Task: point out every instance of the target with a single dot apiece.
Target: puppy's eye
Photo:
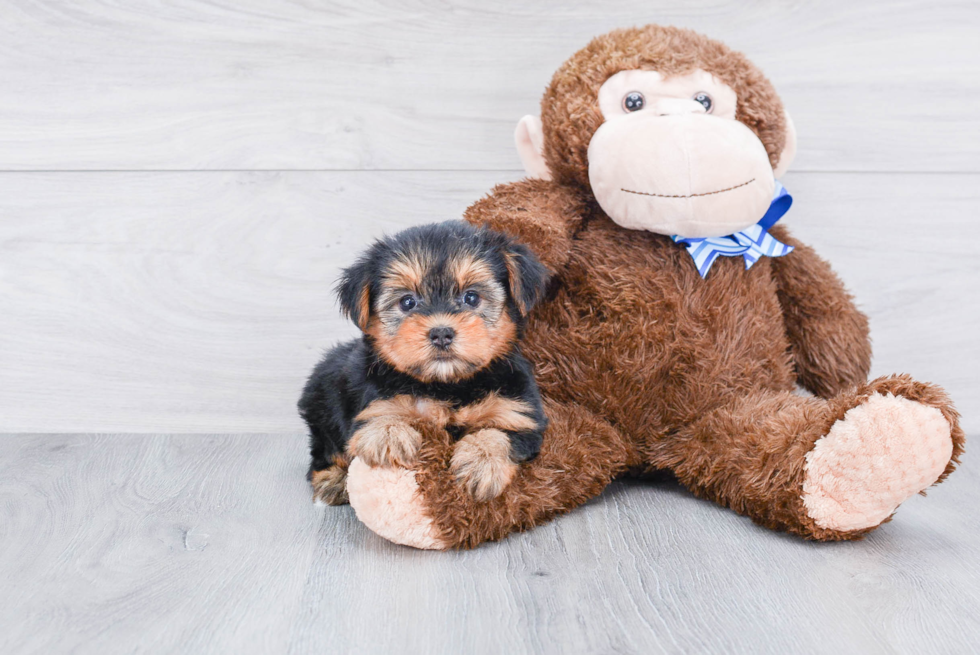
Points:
(633, 101)
(705, 100)
(407, 303)
(471, 298)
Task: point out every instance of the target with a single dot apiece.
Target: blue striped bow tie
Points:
(751, 243)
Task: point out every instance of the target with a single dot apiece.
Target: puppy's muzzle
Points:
(442, 337)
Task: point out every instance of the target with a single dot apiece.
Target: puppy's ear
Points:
(526, 276)
(354, 292)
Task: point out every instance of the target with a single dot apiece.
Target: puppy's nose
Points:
(442, 337)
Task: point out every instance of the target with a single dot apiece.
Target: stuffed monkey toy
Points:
(679, 319)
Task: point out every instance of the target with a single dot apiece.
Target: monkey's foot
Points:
(387, 501)
(879, 454)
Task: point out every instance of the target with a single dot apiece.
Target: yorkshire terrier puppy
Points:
(442, 309)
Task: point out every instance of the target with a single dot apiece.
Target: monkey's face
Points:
(441, 318)
(671, 158)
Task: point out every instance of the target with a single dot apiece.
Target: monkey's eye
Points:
(408, 303)
(471, 298)
(705, 100)
(633, 101)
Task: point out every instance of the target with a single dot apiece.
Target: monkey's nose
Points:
(442, 337)
(675, 106)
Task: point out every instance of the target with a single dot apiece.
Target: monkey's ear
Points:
(529, 139)
(527, 277)
(789, 148)
(354, 293)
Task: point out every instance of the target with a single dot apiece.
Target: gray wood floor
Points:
(208, 543)
(180, 183)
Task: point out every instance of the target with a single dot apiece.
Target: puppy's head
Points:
(442, 301)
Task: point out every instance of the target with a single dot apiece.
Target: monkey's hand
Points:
(828, 334)
(542, 214)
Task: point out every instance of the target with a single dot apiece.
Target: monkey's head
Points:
(672, 132)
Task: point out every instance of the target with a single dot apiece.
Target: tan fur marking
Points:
(408, 409)
(330, 485)
(385, 441)
(514, 279)
(409, 350)
(479, 342)
(409, 347)
(469, 271)
(405, 274)
(481, 463)
(473, 340)
(503, 334)
(497, 412)
(364, 308)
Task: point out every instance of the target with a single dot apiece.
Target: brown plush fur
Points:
(749, 453)
(643, 364)
(570, 470)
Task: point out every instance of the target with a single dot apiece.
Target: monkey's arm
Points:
(827, 332)
(541, 214)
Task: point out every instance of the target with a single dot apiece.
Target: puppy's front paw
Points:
(482, 463)
(385, 441)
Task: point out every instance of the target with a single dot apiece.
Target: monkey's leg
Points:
(825, 469)
(427, 508)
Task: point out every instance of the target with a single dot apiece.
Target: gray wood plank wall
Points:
(408, 84)
(198, 302)
(180, 182)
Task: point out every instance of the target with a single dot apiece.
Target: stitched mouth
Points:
(693, 195)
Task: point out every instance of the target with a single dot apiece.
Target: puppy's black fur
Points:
(396, 292)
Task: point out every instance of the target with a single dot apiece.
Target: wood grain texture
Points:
(208, 543)
(152, 302)
(411, 84)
